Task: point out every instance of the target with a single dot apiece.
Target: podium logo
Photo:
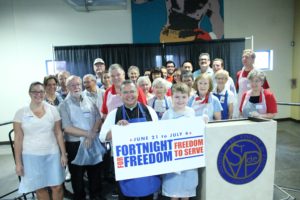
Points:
(242, 158)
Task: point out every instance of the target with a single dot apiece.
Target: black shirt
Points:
(254, 99)
(134, 113)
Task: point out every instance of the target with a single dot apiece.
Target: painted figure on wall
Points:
(190, 20)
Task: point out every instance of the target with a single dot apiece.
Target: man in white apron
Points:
(243, 84)
(81, 122)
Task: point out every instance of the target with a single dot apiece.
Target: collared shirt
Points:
(112, 100)
(198, 72)
(62, 93)
(98, 81)
(229, 84)
(116, 115)
(223, 92)
(96, 97)
(80, 114)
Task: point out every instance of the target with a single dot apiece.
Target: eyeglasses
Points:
(37, 92)
(75, 85)
(129, 92)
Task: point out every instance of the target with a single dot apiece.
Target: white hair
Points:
(91, 76)
(143, 79)
(160, 81)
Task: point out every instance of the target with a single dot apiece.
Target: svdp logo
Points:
(242, 158)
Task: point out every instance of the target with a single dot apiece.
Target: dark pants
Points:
(77, 174)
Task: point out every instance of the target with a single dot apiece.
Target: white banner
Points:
(153, 148)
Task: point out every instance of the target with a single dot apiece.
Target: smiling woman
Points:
(52, 97)
(258, 102)
(39, 146)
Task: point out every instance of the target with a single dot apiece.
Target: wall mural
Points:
(155, 21)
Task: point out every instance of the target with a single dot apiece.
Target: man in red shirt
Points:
(170, 65)
(242, 83)
(248, 60)
(112, 98)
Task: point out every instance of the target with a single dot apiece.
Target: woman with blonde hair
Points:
(160, 102)
(204, 102)
(145, 84)
(225, 96)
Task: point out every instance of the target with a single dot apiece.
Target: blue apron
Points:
(224, 103)
(190, 101)
(139, 187)
(160, 114)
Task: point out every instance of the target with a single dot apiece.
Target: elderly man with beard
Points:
(204, 64)
(81, 122)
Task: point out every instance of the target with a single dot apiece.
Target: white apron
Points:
(204, 109)
(82, 117)
(244, 86)
(249, 107)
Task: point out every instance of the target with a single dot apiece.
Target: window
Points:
(264, 60)
(53, 67)
(159, 62)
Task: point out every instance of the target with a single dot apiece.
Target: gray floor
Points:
(287, 164)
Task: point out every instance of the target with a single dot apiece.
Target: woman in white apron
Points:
(204, 102)
(258, 102)
(145, 84)
(39, 146)
(160, 102)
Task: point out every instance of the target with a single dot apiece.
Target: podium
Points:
(240, 160)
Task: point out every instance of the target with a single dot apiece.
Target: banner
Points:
(153, 148)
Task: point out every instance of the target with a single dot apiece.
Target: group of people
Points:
(65, 125)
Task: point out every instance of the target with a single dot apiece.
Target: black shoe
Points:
(115, 194)
(98, 198)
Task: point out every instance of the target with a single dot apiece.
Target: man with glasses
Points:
(204, 64)
(81, 122)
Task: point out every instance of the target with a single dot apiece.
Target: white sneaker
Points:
(68, 175)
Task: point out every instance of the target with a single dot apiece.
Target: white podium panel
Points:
(240, 160)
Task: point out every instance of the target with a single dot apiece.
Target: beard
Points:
(77, 94)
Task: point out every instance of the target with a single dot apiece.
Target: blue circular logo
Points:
(242, 158)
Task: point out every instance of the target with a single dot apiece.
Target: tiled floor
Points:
(287, 165)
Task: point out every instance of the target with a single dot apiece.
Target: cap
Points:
(99, 60)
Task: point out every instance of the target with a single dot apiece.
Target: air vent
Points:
(92, 5)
